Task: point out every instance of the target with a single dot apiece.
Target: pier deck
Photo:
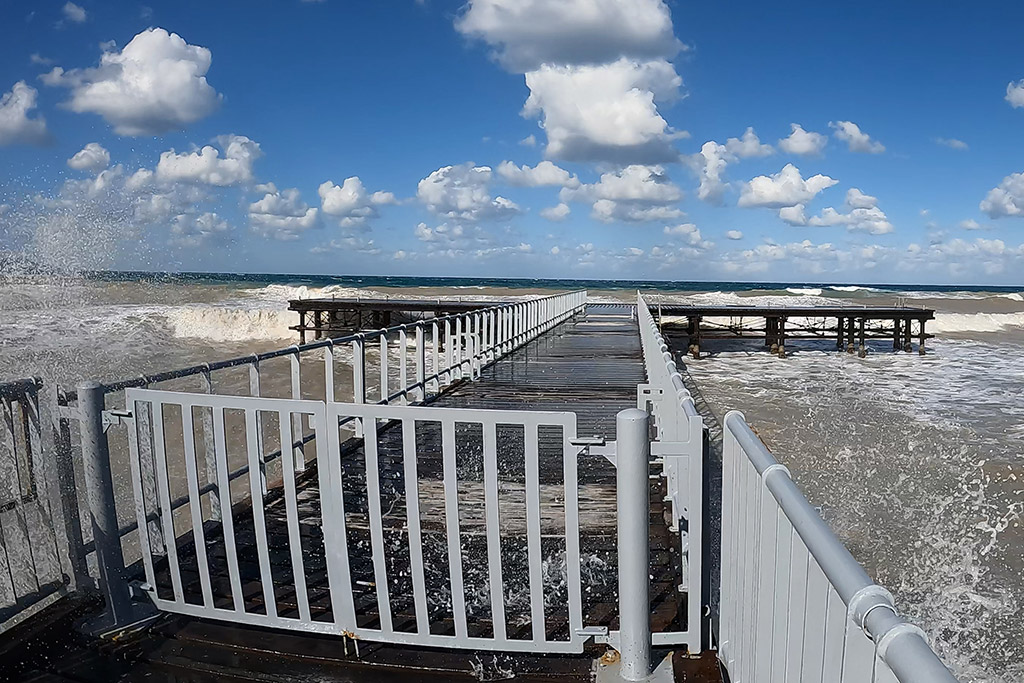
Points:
(590, 365)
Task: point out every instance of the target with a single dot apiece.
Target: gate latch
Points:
(596, 445)
(113, 418)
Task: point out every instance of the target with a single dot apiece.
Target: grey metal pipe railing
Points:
(901, 645)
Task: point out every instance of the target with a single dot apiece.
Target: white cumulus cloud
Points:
(1007, 199)
(856, 139)
(559, 212)
(208, 166)
(734, 235)
(784, 189)
(802, 142)
(463, 193)
(544, 173)
(73, 12)
(605, 112)
(863, 215)
(15, 125)
(350, 202)
(748, 146)
(93, 157)
(192, 230)
(635, 193)
(281, 215)
(156, 84)
(528, 33)
(952, 143)
(1015, 93)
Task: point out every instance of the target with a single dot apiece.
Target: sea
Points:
(917, 463)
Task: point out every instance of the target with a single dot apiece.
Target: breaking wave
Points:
(804, 291)
(975, 322)
(225, 324)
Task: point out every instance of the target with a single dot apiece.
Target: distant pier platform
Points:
(326, 318)
(851, 326)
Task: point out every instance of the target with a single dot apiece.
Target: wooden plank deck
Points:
(590, 366)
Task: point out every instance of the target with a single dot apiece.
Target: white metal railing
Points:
(385, 569)
(679, 447)
(443, 351)
(35, 557)
(795, 604)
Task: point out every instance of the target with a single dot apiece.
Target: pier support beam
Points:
(782, 337)
(922, 336)
(694, 329)
(849, 335)
(863, 346)
(896, 331)
(840, 327)
(906, 336)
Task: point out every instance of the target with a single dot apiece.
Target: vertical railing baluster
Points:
(421, 362)
(412, 509)
(208, 449)
(299, 448)
(254, 390)
(259, 520)
(403, 364)
(384, 391)
(435, 351)
(329, 371)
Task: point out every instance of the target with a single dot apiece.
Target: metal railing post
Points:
(100, 497)
(632, 465)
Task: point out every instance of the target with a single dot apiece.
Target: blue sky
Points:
(391, 138)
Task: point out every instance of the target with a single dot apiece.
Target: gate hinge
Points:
(113, 418)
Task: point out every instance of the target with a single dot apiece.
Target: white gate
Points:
(442, 527)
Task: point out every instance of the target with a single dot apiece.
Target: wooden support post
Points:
(863, 348)
(896, 343)
(302, 327)
(318, 323)
(695, 339)
(906, 337)
(849, 335)
(839, 332)
(782, 337)
(921, 337)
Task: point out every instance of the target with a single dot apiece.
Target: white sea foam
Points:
(229, 324)
(854, 288)
(975, 322)
(804, 291)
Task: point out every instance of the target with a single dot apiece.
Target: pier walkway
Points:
(517, 490)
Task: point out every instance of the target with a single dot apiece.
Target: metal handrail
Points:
(145, 380)
(901, 645)
(656, 349)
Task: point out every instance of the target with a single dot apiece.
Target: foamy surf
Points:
(975, 322)
(226, 324)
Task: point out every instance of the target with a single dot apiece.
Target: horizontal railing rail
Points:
(795, 604)
(679, 446)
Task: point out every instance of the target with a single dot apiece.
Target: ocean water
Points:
(917, 463)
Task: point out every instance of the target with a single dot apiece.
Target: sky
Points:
(872, 142)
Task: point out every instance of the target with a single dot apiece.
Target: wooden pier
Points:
(325, 318)
(850, 326)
